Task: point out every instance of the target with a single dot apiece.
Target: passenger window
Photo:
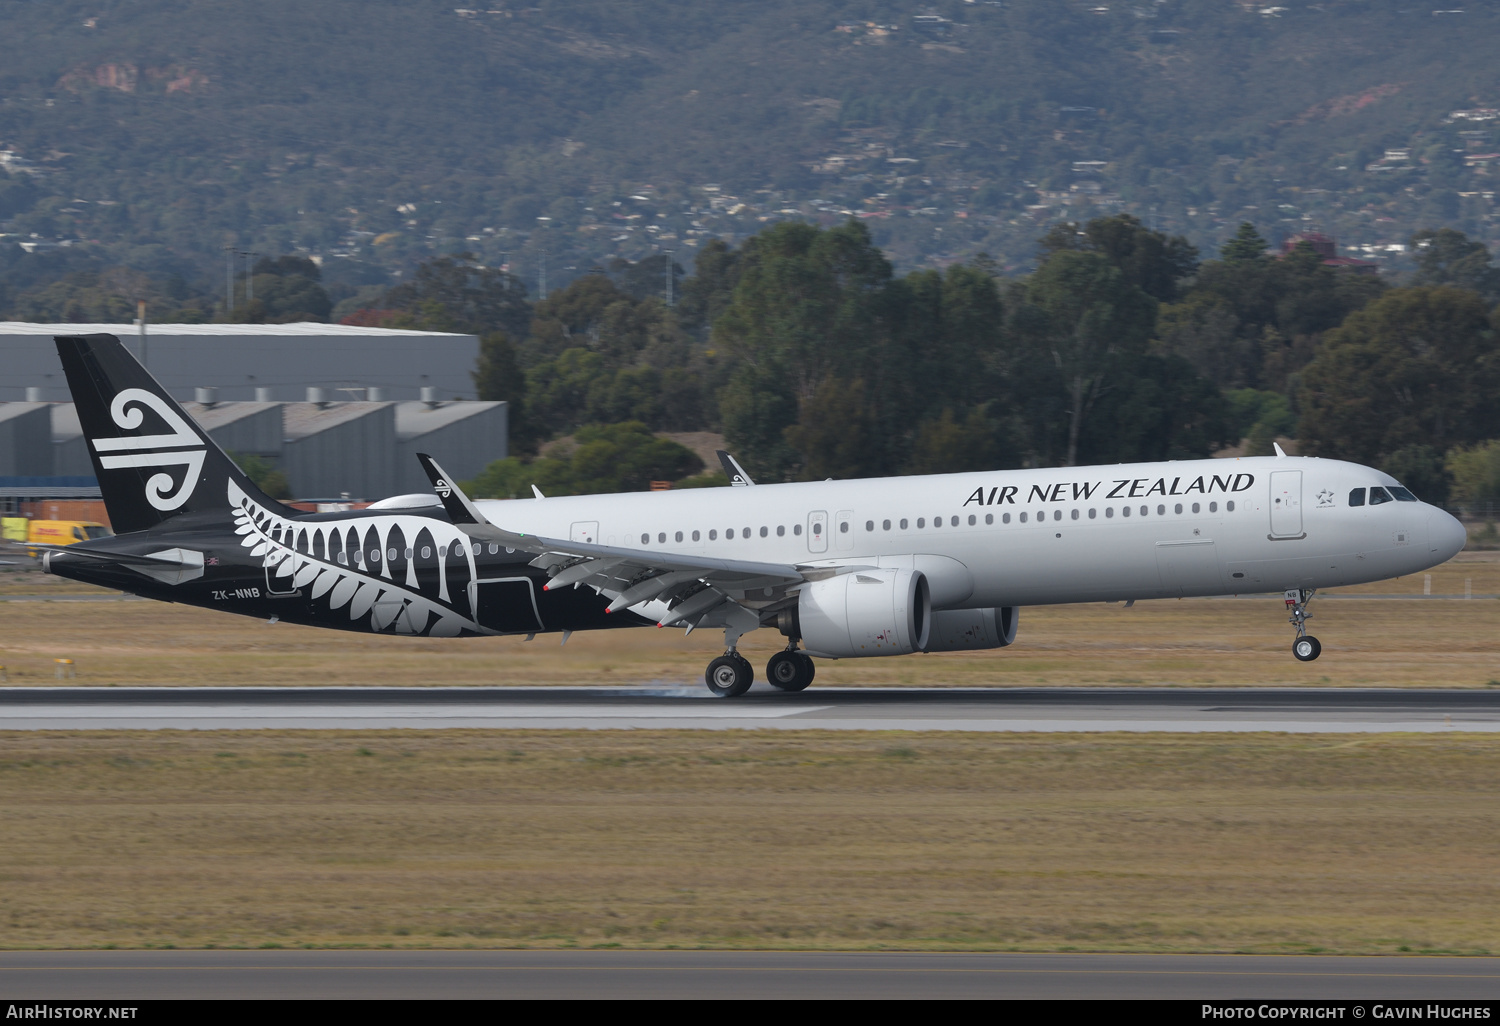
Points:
(1057, 514)
(1161, 510)
(885, 525)
(713, 535)
(343, 559)
(1093, 514)
(1402, 495)
(695, 536)
(729, 533)
(1196, 507)
(1357, 497)
(1213, 507)
(903, 523)
(764, 531)
(869, 525)
(921, 522)
(797, 529)
(1109, 512)
(954, 521)
(989, 518)
(1229, 506)
(1005, 518)
(936, 522)
(645, 539)
(972, 520)
(661, 539)
(745, 531)
(1075, 514)
(1146, 509)
(408, 553)
(1023, 518)
(679, 536)
(1379, 495)
(1124, 511)
(781, 530)
(843, 527)
(1177, 508)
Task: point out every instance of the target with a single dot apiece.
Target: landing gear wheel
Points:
(1307, 648)
(729, 676)
(790, 671)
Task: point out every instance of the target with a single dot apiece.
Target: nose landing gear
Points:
(1305, 648)
(790, 670)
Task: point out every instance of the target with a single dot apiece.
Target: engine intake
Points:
(962, 630)
(865, 613)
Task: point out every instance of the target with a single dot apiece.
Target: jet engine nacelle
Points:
(865, 613)
(960, 630)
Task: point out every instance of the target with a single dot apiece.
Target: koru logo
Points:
(442, 487)
(144, 450)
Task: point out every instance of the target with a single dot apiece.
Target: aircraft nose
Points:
(1446, 536)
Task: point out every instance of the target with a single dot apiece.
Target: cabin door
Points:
(1286, 504)
(817, 531)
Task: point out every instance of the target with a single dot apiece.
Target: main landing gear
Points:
(730, 675)
(1306, 648)
(790, 670)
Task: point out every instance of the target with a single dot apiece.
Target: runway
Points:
(146, 975)
(1184, 710)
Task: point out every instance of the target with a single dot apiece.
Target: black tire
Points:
(790, 671)
(1307, 648)
(729, 676)
(809, 669)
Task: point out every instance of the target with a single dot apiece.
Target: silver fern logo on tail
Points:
(163, 450)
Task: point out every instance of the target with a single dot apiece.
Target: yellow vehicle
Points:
(65, 532)
(15, 529)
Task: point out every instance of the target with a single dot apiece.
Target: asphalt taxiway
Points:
(146, 975)
(1185, 710)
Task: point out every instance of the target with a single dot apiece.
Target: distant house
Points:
(1328, 249)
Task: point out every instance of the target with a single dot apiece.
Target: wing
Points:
(683, 589)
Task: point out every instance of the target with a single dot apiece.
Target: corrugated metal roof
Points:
(305, 328)
(219, 414)
(418, 418)
(303, 419)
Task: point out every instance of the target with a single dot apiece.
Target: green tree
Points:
(461, 295)
(1475, 473)
(263, 474)
(605, 458)
(1092, 321)
(946, 445)
(1449, 257)
(1416, 367)
(1152, 262)
(497, 377)
(1247, 245)
(833, 434)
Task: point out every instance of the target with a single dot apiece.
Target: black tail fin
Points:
(153, 462)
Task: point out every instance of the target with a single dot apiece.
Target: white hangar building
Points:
(264, 362)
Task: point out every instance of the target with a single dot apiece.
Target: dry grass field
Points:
(1377, 642)
(1256, 843)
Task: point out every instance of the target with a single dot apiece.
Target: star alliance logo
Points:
(1325, 498)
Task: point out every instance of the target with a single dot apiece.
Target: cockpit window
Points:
(1357, 497)
(1379, 495)
(1402, 495)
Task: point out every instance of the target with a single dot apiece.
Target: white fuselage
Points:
(1036, 537)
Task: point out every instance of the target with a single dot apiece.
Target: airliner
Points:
(842, 569)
